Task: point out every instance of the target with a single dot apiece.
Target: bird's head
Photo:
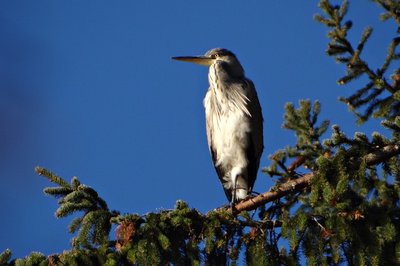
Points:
(216, 55)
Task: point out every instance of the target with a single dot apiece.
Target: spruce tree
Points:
(335, 201)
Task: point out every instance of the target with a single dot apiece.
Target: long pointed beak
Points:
(200, 60)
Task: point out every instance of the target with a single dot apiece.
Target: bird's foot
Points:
(232, 207)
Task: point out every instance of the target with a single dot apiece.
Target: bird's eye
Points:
(215, 56)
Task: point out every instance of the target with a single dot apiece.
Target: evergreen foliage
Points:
(377, 98)
(94, 226)
(343, 210)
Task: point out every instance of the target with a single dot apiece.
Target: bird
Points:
(234, 122)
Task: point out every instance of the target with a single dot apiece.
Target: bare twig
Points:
(296, 163)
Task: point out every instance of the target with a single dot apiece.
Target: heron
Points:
(234, 122)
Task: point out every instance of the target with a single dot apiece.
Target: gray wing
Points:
(256, 143)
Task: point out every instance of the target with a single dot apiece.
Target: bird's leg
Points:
(234, 194)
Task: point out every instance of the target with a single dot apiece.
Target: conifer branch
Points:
(94, 224)
(299, 184)
(5, 256)
(366, 98)
(392, 10)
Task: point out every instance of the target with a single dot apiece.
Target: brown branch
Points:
(283, 190)
(296, 185)
(382, 155)
(296, 163)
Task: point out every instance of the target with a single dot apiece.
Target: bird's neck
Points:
(225, 72)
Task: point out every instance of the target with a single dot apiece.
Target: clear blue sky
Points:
(88, 89)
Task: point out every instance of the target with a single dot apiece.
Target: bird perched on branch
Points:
(233, 120)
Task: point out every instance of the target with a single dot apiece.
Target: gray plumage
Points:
(233, 121)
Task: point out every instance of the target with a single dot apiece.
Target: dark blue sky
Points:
(88, 89)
